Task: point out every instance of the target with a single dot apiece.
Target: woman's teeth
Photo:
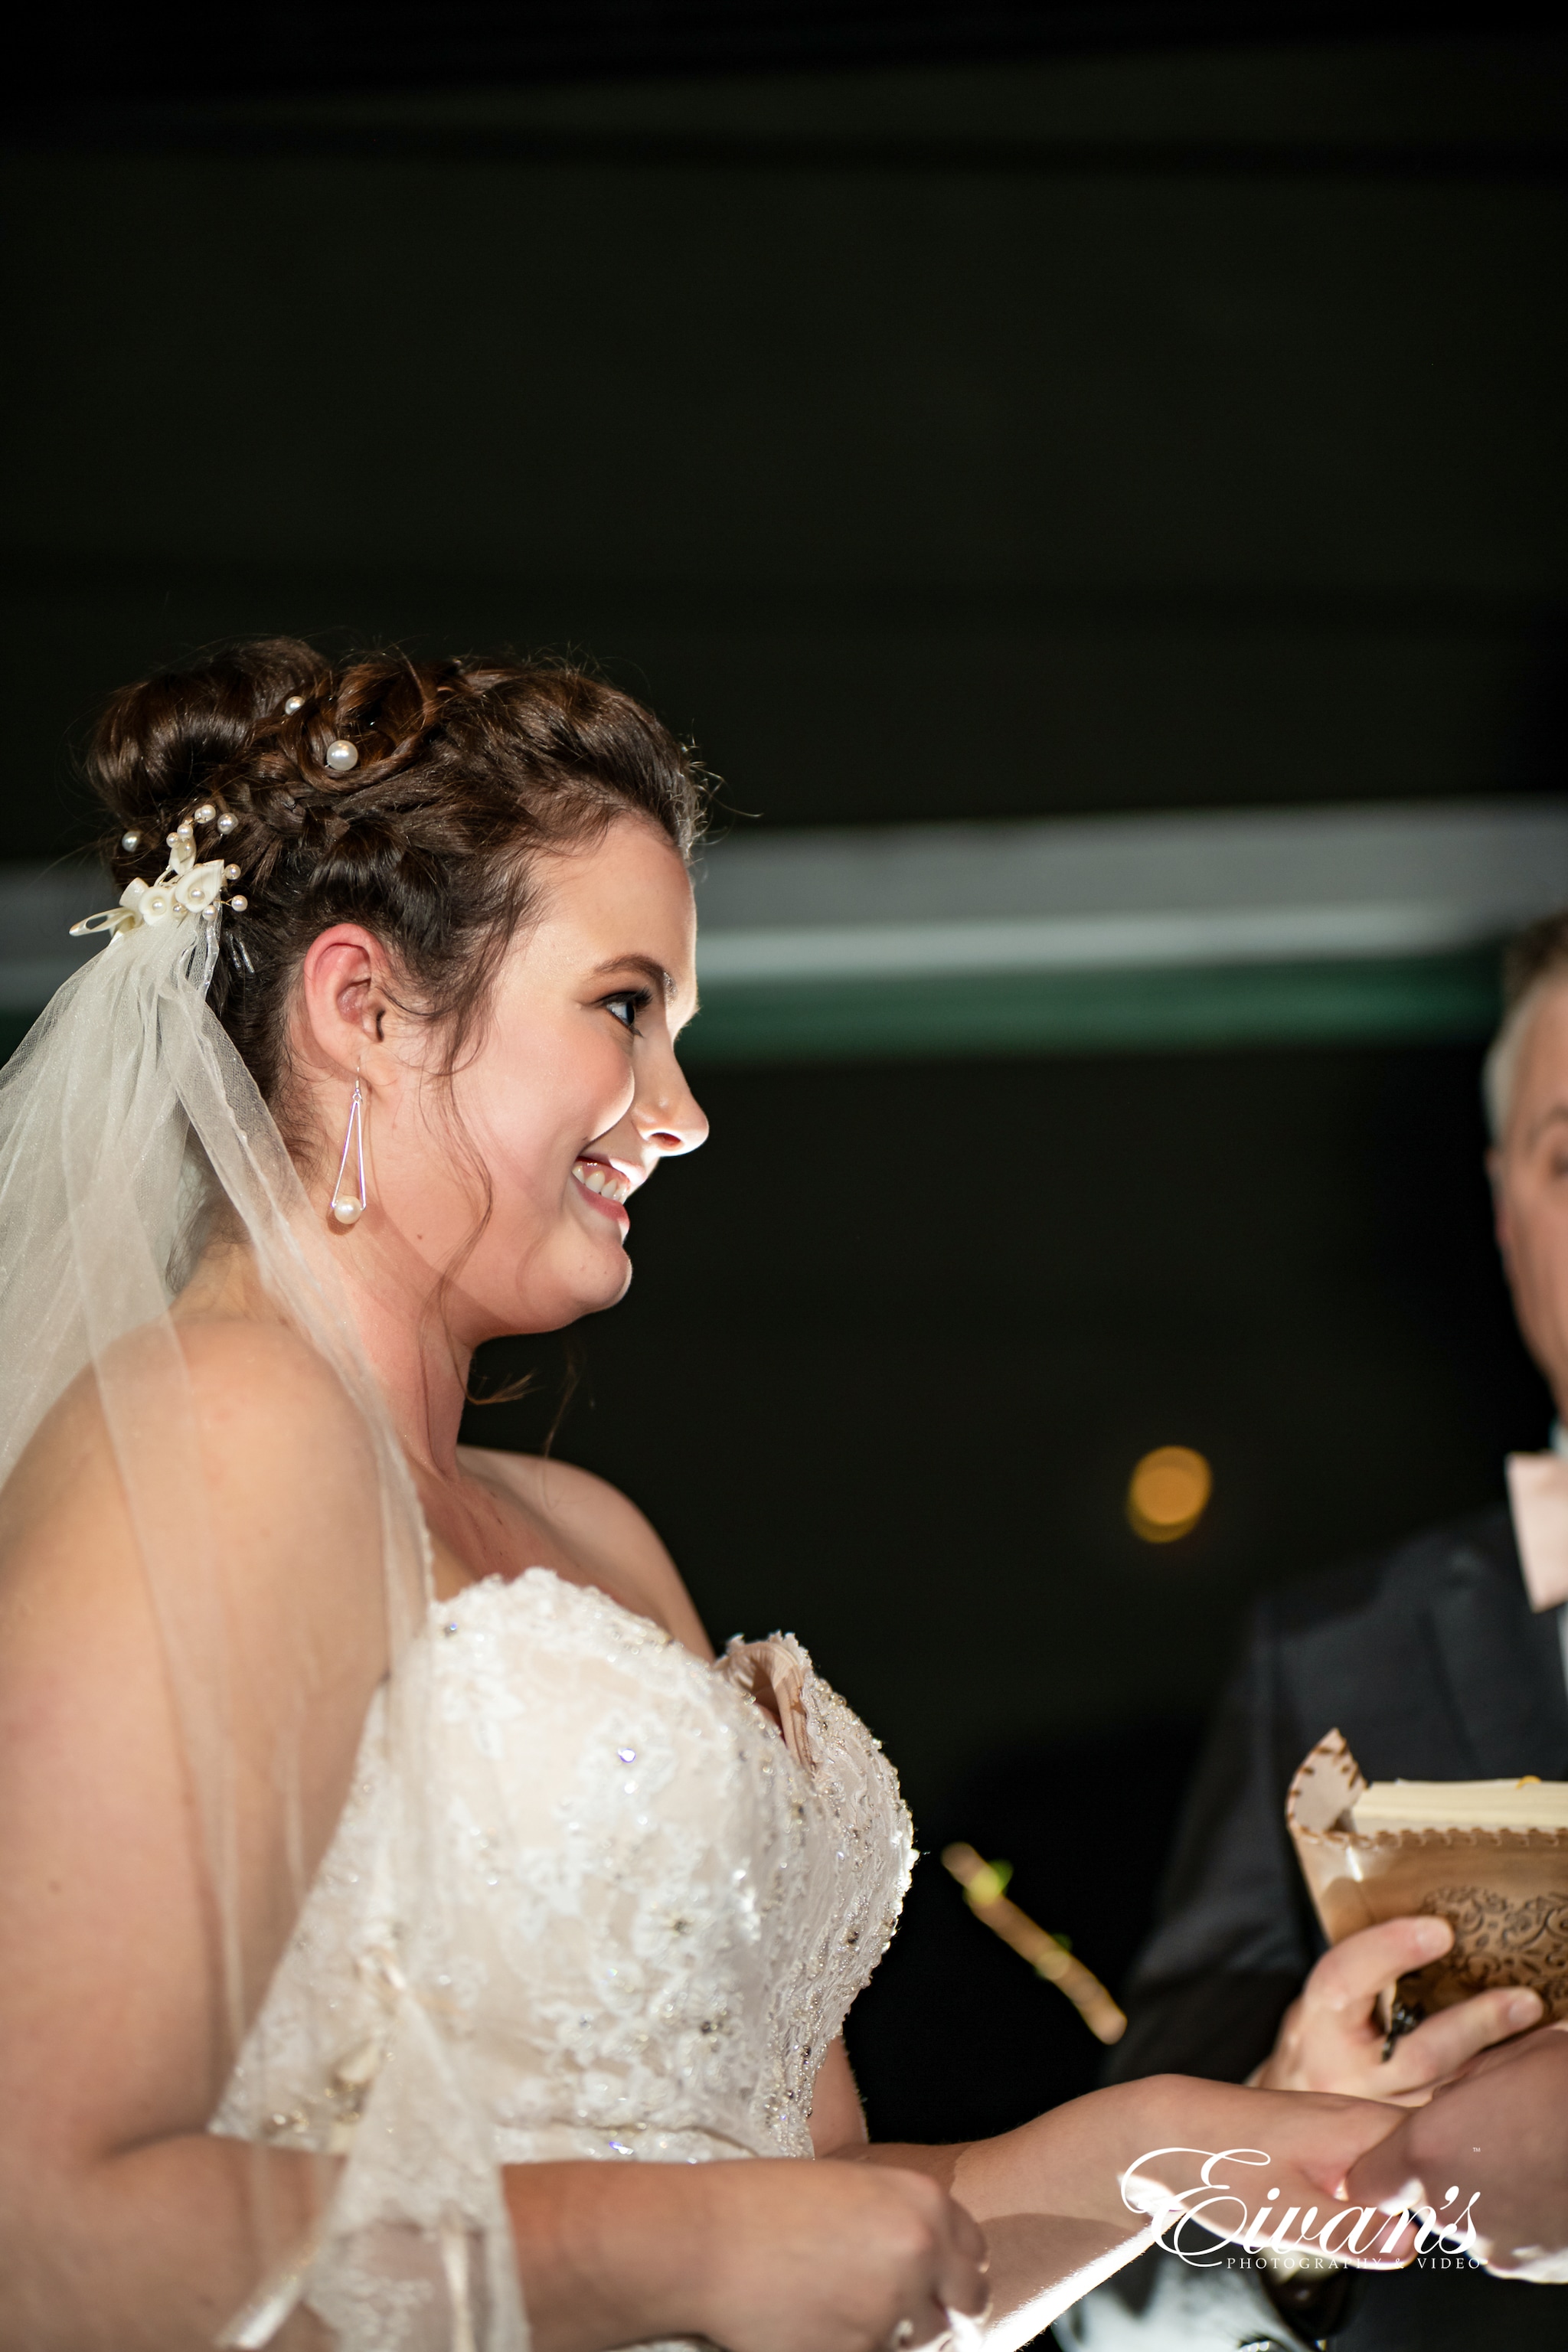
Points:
(597, 1178)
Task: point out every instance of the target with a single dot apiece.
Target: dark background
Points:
(939, 413)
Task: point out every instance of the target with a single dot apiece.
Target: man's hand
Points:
(1501, 2134)
(1331, 2039)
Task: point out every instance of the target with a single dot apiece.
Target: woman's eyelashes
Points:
(626, 1004)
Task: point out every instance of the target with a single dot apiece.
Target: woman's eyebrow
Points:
(650, 969)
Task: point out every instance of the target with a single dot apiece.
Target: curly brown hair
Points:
(467, 770)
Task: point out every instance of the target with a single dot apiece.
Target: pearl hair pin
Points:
(184, 834)
(208, 814)
(342, 758)
(295, 702)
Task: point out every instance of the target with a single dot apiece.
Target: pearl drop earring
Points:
(349, 1205)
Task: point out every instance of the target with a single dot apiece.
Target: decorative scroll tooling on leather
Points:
(1496, 1941)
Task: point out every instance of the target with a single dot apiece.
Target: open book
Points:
(1489, 1856)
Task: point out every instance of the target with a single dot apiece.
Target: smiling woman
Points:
(407, 1920)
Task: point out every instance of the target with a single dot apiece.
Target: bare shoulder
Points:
(249, 1434)
(274, 1414)
(616, 1544)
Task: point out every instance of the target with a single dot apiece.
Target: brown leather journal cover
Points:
(1504, 1890)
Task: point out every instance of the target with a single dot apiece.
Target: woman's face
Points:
(569, 1101)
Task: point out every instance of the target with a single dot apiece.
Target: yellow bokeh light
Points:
(1168, 1493)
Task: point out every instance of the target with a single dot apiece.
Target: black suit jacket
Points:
(1432, 1663)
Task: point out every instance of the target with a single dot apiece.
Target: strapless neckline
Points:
(495, 1585)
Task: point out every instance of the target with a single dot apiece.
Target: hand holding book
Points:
(1438, 1901)
(1333, 2037)
(1488, 1857)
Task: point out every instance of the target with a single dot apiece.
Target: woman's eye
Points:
(626, 1004)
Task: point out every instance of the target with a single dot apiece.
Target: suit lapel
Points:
(1501, 1664)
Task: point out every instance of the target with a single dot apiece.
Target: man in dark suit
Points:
(1445, 1660)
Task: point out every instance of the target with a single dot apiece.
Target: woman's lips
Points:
(604, 1189)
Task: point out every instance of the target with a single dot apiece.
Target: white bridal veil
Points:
(127, 1120)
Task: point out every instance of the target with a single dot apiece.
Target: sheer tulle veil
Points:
(127, 1123)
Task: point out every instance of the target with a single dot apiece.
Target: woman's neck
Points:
(420, 1368)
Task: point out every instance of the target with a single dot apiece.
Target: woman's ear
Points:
(343, 997)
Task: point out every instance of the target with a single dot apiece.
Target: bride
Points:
(403, 1911)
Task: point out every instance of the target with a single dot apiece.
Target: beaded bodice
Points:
(642, 1918)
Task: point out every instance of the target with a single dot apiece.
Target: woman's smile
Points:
(604, 1189)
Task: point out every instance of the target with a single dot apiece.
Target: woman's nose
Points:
(673, 1120)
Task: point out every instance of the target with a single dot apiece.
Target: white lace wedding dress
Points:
(648, 1916)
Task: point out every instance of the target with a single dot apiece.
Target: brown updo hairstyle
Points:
(467, 770)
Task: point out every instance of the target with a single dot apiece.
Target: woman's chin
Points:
(591, 1287)
(535, 1296)
(618, 1281)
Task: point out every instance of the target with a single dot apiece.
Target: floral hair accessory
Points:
(186, 888)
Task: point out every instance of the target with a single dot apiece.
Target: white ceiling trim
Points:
(1127, 893)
